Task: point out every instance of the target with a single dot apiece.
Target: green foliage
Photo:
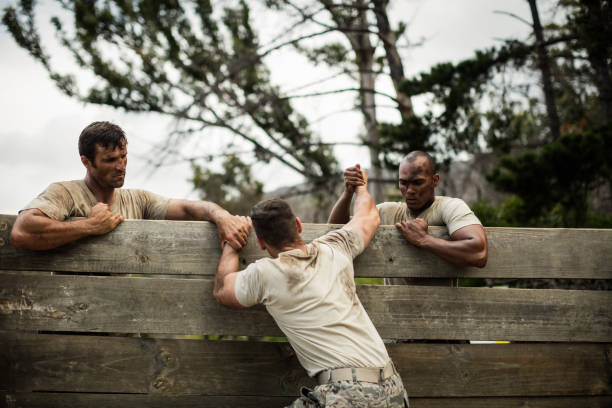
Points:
(482, 108)
(512, 213)
(333, 54)
(413, 133)
(456, 89)
(559, 176)
(233, 188)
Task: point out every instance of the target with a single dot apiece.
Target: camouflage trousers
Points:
(389, 393)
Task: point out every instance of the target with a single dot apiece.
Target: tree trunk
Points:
(359, 38)
(543, 63)
(393, 58)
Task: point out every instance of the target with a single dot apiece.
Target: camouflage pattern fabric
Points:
(389, 393)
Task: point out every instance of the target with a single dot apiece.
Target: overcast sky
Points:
(40, 126)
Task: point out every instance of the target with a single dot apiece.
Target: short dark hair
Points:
(274, 223)
(413, 155)
(105, 134)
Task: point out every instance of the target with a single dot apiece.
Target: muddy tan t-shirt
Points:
(312, 298)
(449, 212)
(453, 213)
(67, 199)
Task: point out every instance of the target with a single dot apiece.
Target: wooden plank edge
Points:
(84, 400)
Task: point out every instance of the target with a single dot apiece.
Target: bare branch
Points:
(519, 18)
(374, 91)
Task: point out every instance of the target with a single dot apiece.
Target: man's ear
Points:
(298, 222)
(261, 243)
(86, 162)
(436, 179)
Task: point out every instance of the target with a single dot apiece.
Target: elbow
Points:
(375, 218)
(19, 239)
(217, 296)
(480, 260)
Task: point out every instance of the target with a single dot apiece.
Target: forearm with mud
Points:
(364, 203)
(228, 263)
(195, 211)
(37, 232)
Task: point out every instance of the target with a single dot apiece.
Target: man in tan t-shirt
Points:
(421, 207)
(98, 197)
(309, 290)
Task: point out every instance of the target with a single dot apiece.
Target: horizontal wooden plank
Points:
(172, 247)
(61, 400)
(75, 400)
(74, 363)
(185, 306)
(547, 402)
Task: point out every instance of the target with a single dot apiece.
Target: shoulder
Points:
(391, 212)
(254, 284)
(149, 205)
(346, 239)
(389, 206)
(451, 205)
(456, 213)
(69, 187)
(445, 201)
(58, 200)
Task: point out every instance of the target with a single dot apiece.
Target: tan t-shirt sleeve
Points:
(248, 286)
(55, 202)
(456, 214)
(346, 240)
(390, 213)
(153, 205)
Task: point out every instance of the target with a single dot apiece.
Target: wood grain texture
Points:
(49, 362)
(185, 306)
(76, 400)
(191, 248)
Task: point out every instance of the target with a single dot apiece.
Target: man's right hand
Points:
(354, 177)
(102, 220)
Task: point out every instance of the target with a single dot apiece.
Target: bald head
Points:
(414, 155)
(417, 181)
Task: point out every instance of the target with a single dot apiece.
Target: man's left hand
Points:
(415, 231)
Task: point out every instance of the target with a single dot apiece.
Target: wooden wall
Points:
(119, 320)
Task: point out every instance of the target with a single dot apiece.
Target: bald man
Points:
(420, 209)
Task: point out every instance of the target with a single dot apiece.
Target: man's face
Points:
(417, 184)
(108, 168)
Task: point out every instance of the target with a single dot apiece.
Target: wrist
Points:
(219, 214)
(348, 193)
(88, 226)
(227, 248)
(425, 241)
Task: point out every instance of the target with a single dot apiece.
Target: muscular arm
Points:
(227, 270)
(365, 219)
(228, 226)
(341, 213)
(225, 278)
(34, 230)
(467, 247)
